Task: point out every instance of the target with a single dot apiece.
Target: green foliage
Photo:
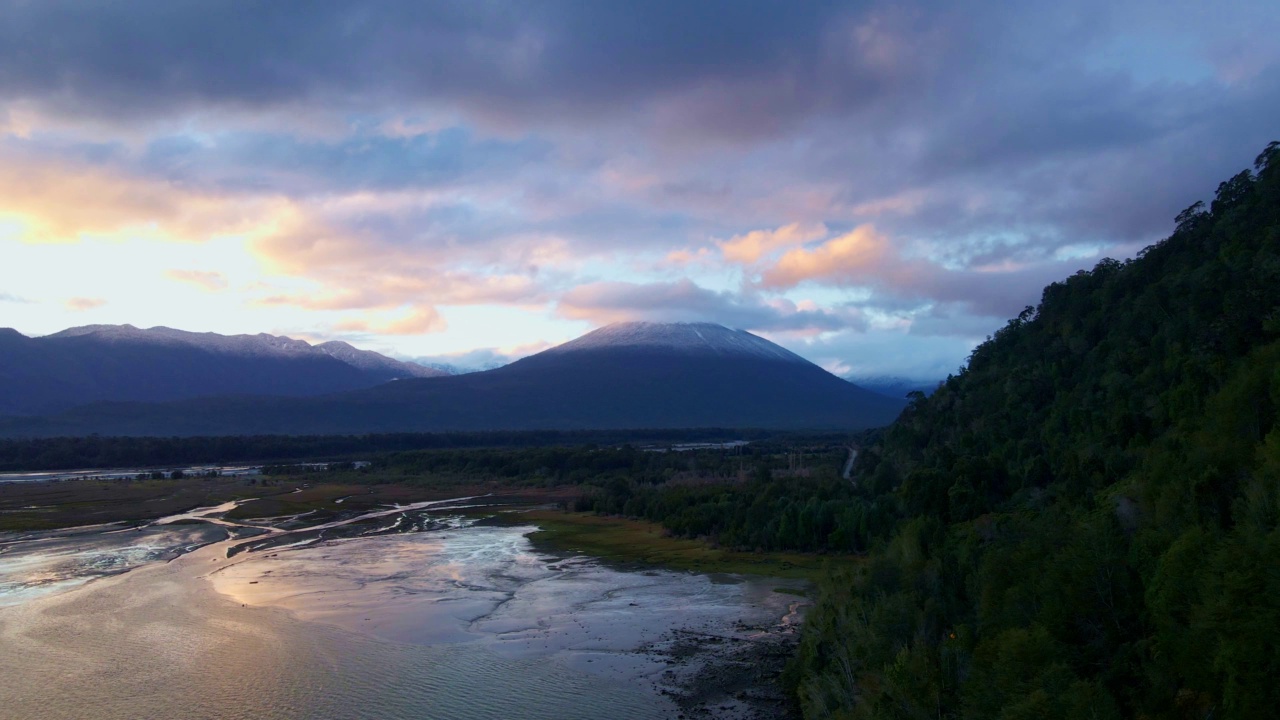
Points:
(1086, 517)
(741, 501)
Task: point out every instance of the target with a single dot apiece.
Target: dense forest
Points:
(1087, 514)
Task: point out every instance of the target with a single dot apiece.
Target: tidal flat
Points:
(418, 611)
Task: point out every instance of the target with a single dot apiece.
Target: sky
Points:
(877, 186)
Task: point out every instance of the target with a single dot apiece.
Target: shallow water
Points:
(460, 622)
(39, 564)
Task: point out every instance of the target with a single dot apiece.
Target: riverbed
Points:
(416, 612)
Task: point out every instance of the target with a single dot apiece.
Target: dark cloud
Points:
(129, 58)
(1007, 115)
(286, 163)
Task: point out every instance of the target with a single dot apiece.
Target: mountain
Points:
(1084, 521)
(894, 386)
(627, 375)
(120, 362)
(676, 340)
(376, 364)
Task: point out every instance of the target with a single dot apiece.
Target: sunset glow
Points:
(857, 182)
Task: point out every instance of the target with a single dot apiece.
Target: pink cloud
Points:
(62, 202)
(419, 321)
(865, 258)
(80, 304)
(205, 280)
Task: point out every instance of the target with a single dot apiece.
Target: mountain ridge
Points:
(605, 383)
(90, 363)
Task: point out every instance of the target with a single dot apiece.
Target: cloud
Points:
(418, 321)
(685, 301)
(481, 358)
(48, 201)
(506, 60)
(891, 352)
(750, 247)
(11, 298)
(80, 304)
(363, 160)
(203, 279)
(865, 258)
(914, 171)
(850, 259)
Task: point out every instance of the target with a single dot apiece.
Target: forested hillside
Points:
(1087, 513)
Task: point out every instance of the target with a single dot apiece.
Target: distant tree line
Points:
(98, 451)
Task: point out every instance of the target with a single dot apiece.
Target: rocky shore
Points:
(718, 676)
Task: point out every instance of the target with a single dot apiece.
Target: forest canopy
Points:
(1086, 518)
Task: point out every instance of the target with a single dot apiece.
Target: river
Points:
(407, 613)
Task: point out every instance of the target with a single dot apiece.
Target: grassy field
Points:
(637, 541)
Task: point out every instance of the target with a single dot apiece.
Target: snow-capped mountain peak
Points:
(679, 337)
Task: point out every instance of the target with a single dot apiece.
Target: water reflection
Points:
(457, 621)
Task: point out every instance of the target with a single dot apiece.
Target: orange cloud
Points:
(80, 304)
(688, 257)
(752, 246)
(60, 203)
(420, 321)
(324, 242)
(353, 291)
(206, 280)
(861, 253)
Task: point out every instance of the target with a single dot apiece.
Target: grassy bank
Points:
(636, 541)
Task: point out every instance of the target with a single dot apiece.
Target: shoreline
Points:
(640, 542)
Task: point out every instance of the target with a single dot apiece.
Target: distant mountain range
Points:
(894, 386)
(626, 375)
(120, 362)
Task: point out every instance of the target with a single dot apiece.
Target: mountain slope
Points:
(632, 375)
(1085, 521)
(120, 362)
(375, 364)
